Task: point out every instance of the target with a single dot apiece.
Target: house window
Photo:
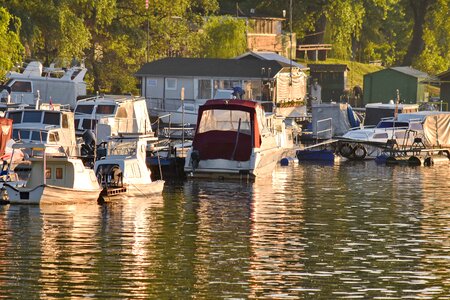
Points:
(48, 173)
(171, 84)
(204, 89)
(59, 173)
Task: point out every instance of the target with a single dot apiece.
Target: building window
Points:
(204, 89)
(171, 84)
(59, 173)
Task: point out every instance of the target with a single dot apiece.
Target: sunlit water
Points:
(354, 230)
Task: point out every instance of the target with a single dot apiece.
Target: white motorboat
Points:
(62, 86)
(108, 115)
(369, 142)
(54, 179)
(236, 139)
(46, 125)
(123, 172)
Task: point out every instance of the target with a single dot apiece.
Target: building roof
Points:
(328, 67)
(210, 67)
(410, 71)
(267, 55)
(443, 74)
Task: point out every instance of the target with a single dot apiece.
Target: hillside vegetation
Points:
(357, 70)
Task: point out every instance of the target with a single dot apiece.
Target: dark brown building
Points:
(444, 79)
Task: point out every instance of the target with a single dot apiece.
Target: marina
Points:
(221, 150)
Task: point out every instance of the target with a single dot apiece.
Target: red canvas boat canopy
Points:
(228, 129)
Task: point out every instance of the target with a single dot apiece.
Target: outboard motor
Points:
(116, 176)
(89, 139)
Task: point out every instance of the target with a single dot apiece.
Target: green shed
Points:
(382, 86)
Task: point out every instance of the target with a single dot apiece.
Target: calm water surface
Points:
(354, 230)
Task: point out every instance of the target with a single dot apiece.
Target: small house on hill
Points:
(444, 79)
(382, 86)
(162, 81)
(267, 55)
(332, 78)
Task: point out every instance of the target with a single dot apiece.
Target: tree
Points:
(224, 37)
(11, 49)
(419, 10)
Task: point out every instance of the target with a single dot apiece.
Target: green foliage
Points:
(11, 50)
(116, 37)
(223, 37)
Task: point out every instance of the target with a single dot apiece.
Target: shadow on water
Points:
(350, 230)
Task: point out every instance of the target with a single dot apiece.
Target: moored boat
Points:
(123, 172)
(55, 178)
(235, 139)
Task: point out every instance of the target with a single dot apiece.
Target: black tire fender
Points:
(346, 150)
(359, 152)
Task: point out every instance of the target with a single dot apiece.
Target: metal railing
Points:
(327, 129)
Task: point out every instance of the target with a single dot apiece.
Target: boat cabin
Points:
(111, 115)
(49, 127)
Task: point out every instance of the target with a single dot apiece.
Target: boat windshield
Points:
(392, 124)
(122, 148)
(84, 109)
(32, 116)
(104, 109)
(225, 120)
(16, 116)
(34, 135)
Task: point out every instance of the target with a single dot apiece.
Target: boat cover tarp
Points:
(325, 114)
(436, 130)
(213, 140)
(221, 145)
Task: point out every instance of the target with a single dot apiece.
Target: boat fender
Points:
(195, 159)
(346, 150)
(285, 161)
(415, 161)
(359, 152)
(428, 162)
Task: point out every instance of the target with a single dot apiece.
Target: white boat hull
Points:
(260, 164)
(47, 194)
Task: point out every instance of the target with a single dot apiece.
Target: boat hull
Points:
(134, 191)
(47, 194)
(260, 164)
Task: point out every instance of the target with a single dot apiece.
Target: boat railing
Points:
(173, 131)
(326, 129)
(115, 98)
(133, 125)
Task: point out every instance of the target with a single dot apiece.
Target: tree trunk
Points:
(419, 9)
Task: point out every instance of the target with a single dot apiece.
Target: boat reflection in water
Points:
(352, 230)
(77, 250)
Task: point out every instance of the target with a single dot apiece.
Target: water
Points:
(354, 230)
